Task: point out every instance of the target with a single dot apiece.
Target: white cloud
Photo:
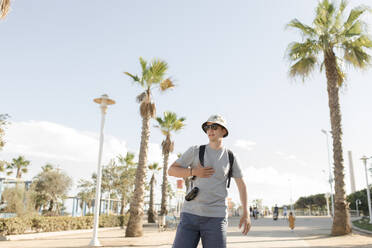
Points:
(291, 157)
(276, 187)
(245, 144)
(74, 151)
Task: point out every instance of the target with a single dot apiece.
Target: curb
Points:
(49, 234)
(359, 229)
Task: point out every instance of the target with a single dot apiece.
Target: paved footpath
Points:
(309, 232)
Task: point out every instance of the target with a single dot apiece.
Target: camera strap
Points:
(201, 159)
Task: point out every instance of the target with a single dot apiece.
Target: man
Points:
(276, 212)
(205, 216)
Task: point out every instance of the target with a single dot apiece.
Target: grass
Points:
(363, 224)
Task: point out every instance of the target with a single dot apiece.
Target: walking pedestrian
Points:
(204, 213)
(285, 212)
(291, 220)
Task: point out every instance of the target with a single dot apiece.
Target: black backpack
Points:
(231, 162)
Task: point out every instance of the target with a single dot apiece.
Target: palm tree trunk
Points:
(135, 223)
(187, 183)
(18, 175)
(151, 213)
(341, 220)
(122, 206)
(164, 186)
(51, 205)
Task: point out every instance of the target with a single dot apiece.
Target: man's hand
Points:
(201, 171)
(245, 221)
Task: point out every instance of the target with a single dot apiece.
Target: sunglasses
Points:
(211, 126)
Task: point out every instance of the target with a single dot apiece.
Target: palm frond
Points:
(166, 84)
(338, 17)
(159, 120)
(303, 67)
(170, 122)
(324, 13)
(354, 15)
(363, 41)
(297, 50)
(304, 29)
(355, 55)
(4, 8)
(156, 72)
(143, 64)
(135, 78)
(341, 76)
(336, 26)
(355, 29)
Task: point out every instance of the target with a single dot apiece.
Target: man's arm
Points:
(176, 170)
(245, 219)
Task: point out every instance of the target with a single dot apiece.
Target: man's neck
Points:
(216, 145)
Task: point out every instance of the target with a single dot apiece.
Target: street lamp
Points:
(364, 158)
(327, 195)
(103, 101)
(291, 199)
(330, 173)
(357, 202)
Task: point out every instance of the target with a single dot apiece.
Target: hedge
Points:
(20, 225)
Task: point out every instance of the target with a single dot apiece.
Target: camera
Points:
(192, 194)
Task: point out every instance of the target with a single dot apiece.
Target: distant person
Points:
(285, 212)
(276, 212)
(250, 211)
(255, 213)
(204, 213)
(291, 220)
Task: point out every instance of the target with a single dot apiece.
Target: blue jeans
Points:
(211, 230)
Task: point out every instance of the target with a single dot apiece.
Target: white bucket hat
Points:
(218, 119)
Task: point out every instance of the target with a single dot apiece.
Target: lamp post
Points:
(291, 199)
(330, 173)
(103, 101)
(357, 202)
(364, 159)
(327, 195)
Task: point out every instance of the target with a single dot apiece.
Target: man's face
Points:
(215, 131)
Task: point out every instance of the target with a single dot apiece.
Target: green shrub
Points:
(57, 223)
(14, 225)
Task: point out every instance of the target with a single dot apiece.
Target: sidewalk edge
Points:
(48, 234)
(359, 229)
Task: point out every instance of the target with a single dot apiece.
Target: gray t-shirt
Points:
(211, 199)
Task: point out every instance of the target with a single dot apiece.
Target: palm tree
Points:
(187, 180)
(151, 212)
(47, 167)
(168, 124)
(2, 165)
(19, 164)
(327, 35)
(4, 8)
(153, 75)
(125, 182)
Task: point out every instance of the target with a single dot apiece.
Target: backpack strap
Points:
(201, 158)
(201, 154)
(231, 162)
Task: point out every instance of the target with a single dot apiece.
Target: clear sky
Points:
(226, 57)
